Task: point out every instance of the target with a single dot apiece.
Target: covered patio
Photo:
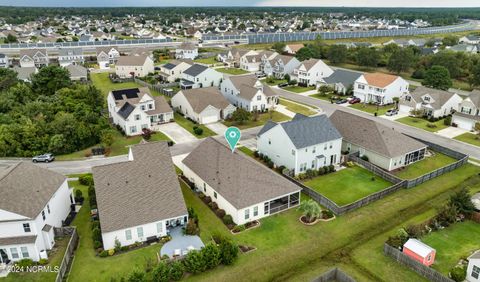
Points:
(180, 244)
(282, 203)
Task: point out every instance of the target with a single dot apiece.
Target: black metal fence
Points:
(334, 274)
(71, 247)
(427, 272)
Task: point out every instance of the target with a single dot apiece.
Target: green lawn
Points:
(103, 83)
(208, 61)
(423, 123)
(347, 185)
(273, 81)
(297, 108)
(326, 97)
(298, 89)
(246, 151)
(371, 108)
(470, 138)
(424, 166)
(232, 71)
(262, 119)
(453, 243)
(188, 125)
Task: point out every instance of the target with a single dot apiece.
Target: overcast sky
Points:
(336, 3)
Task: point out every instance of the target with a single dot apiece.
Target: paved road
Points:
(329, 108)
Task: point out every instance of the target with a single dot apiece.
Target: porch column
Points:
(288, 205)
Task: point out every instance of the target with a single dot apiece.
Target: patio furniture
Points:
(185, 252)
(190, 248)
(177, 252)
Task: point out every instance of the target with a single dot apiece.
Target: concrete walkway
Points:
(180, 242)
(217, 127)
(283, 110)
(175, 132)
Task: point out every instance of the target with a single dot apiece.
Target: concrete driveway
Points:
(175, 132)
(397, 116)
(217, 127)
(451, 132)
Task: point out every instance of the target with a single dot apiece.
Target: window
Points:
(475, 272)
(293, 152)
(159, 227)
(360, 86)
(426, 98)
(247, 214)
(133, 129)
(14, 253)
(128, 234)
(259, 98)
(137, 117)
(140, 232)
(48, 208)
(215, 195)
(204, 187)
(150, 106)
(408, 98)
(26, 227)
(266, 207)
(314, 150)
(313, 164)
(255, 211)
(43, 215)
(142, 107)
(306, 149)
(24, 251)
(331, 145)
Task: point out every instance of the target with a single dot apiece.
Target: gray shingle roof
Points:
(246, 85)
(132, 60)
(475, 97)
(239, 179)
(138, 192)
(345, 77)
(373, 136)
(77, 71)
(70, 51)
(200, 98)
(18, 240)
(440, 96)
(26, 188)
(195, 70)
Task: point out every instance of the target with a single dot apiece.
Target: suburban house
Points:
(379, 88)
(70, 56)
(419, 42)
(249, 93)
(203, 105)
(473, 268)
(234, 56)
(342, 80)
(172, 71)
(33, 58)
(302, 143)
(293, 48)
(432, 102)
(419, 251)
(244, 188)
(186, 51)
(468, 113)
(311, 72)
(107, 56)
(253, 61)
(4, 63)
(280, 65)
(25, 73)
(77, 72)
(466, 48)
(34, 201)
(470, 39)
(140, 199)
(383, 146)
(136, 108)
(198, 76)
(134, 66)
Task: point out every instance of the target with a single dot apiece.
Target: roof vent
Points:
(126, 181)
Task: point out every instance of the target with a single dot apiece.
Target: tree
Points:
(437, 77)
(240, 116)
(279, 47)
(112, 29)
(304, 53)
(137, 276)
(310, 209)
(474, 78)
(176, 271)
(453, 61)
(194, 262)
(161, 273)
(337, 54)
(50, 79)
(8, 78)
(401, 60)
(211, 255)
(368, 57)
(11, 39)
(462, 201)
(477, 127)
(450, 40)
(59, 40)
(105, 30)
(228, 251)
(107, 137)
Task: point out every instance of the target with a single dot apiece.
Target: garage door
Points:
(404, 109)
(209, 119)
(462, 123)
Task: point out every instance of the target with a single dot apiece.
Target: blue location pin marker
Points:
(232, 134)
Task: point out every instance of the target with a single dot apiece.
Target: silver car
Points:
(46, 158)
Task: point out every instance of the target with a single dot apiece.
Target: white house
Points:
(173, 70)
(4, 63)
(234, 56)
(468, 113)
(198, 76)
(280, 66)
(139, 199)
(379, 88)
(470, 39)
(302, 143)
(473, 268)
(34, 201)
(247, 92)
(244, 188)
(311, 72)
(135, 109)
(33, 58)
(134, 66)
(253, 61)
(70, 56)
(203, 105)
(25, 73)
(186, 51)
(107, 56)
(383, 146)
(432, 102)
(293, 48)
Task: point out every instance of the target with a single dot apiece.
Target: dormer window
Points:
(150, 106)
(142, 107)
(426, 98)
(408, 98)
(259, 98)
(26, 227)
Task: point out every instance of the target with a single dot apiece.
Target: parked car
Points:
(391, 112)
(281, 85)
(354, 100)
(341, 101)
(260, 74)
(46, 158)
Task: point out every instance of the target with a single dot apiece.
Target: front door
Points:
(3, 256)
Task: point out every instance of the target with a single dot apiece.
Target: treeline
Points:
(50, 114)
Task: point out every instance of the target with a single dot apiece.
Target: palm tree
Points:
(310, 209)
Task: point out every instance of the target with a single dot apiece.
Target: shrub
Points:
(146, 133)
(458, 273)
(124, 248)
(227, 219)
(161, 273)
(176, 271)
(270, 164)
(211, 255)
(415, 231)
(321, 171)
(43, 261)
(78, 194)
(310, 173)
(228, 252)
(97, 244)
(292, 82)
(192, 227)
(431, 125)
(447, 121)
(103, 254)
(364, 157)
(207, 199)
(239, 228)
(117, 245)
(86, 179)
(95, 224)
(328, 213)
(214, 206)
(136, 276)
(331, 168)
(194, 262)
(24, 263)
(255, 154)
(220, 213)
(111, 252)
(97, 234)
(198, 131)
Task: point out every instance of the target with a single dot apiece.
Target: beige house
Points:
(134, 66)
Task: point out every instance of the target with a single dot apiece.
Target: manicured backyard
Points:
(297, 108)
(424, 166)
(103, 83)
(232, 71)
(262, 119)
(469, 138)
(208, 61)
(298, 89)
(188, 125)
(369, 108)
(347, 185)
(453, 243)
(423, 123)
